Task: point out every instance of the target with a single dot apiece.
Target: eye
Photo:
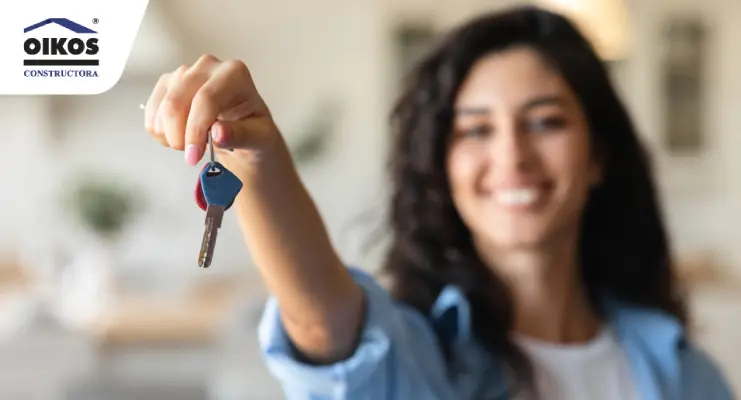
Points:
(546, 124)
(474, 131)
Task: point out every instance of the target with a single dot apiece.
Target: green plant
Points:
(102, 205)
(317, 133)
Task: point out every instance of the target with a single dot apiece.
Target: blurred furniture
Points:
(155, 348)
(102, 391)
(715, 304)
(700, 269)
(38, 358)
(717, 327)
(18, 300)
(239, 370)
(43, 363)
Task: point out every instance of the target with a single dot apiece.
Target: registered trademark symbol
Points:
(95, 20)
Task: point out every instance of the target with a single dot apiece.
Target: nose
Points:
(511, 150)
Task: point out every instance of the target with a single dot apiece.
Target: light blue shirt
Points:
(398, 357)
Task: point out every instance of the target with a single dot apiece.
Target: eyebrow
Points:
(548, 100)
(530, 104)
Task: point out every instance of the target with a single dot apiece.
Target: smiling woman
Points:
(529, 258)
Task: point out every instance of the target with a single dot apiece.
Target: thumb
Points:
(254, 133)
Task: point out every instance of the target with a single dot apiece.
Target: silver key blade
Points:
(214, 217)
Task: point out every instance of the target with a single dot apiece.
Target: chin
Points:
(505, 234)
(519, 242)
(514, 231)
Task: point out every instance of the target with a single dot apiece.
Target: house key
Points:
(215, 192)
(219, 187)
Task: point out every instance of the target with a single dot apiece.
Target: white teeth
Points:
(517, 197)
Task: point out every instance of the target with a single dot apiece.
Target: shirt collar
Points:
(451, 315)
(452, 312)
(650, 338)
(651, 331)
(652, 341)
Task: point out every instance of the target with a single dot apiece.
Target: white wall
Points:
(703, 195)
(294, 71)
(298, 57)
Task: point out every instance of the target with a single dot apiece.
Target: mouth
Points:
(521, 197)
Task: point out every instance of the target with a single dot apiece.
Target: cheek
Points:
(463, 168)
(466, 165)
(568, 159)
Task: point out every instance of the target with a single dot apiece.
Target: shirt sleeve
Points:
(397, 356)
(701, 377)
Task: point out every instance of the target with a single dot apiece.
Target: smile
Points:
(520, 197)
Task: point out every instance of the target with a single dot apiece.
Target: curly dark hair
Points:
(624, 248)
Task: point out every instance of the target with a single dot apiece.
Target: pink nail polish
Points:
(217, 133)
(191, 154)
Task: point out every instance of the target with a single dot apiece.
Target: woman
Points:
(529, 255)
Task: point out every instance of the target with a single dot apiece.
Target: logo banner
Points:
(66, 47)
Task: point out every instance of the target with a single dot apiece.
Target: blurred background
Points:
(100, 295)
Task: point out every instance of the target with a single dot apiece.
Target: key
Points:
(214, 217)
(198, 192)
(215, 192)
(219, 188)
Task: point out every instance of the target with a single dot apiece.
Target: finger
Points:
(229, 85)
(153, 103)
(206, 62)
(161, 139)
(176, 105)
(193, 80)
(174, 108)
(249, 133)
(159, 116)
(163, 116)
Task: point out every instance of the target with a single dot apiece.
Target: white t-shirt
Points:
(596, 370)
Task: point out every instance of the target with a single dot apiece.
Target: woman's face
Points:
(519, 162)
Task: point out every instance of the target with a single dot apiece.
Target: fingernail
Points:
(217, 133)
(191, 154)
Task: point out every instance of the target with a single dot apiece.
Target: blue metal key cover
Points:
(220, 186)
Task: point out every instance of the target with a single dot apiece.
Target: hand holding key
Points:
(212, 103)
(280, 223)
(211, 95)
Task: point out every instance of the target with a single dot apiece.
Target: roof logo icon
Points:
(63, 22)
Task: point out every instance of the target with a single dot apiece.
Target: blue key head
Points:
(220, 186)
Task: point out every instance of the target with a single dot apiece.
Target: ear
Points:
(598, 156)
(596, 171)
